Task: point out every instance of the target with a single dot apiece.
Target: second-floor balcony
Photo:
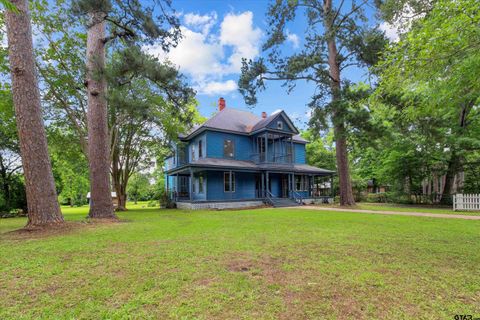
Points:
(264, 157)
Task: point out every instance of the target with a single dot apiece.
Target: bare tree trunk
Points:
(346, 194)
(101, 205)
(43, 207)
(120, 188)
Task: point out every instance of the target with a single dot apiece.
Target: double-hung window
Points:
(301, 183)
(193, 153)
(200, 148)
(228, 149)
(229, 181)
(298, 183)
(200, 184)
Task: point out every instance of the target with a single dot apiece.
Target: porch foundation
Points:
(218, 205)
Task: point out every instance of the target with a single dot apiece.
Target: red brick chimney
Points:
(221, 104)
(264, 114)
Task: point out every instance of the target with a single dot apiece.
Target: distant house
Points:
(374, 187)
(114, 199)
(239, 159)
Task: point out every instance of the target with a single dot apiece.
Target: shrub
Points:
(152, 203)
(376, 197)
(165, 201)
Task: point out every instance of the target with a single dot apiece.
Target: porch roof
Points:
(230, 164)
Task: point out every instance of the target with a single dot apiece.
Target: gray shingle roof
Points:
(235, 120)
(249, 165)
(299, 138)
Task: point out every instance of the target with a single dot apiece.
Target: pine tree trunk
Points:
(43, 207)
(346, 193)
(101, 205)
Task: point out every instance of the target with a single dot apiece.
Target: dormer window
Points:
(280, 125)
(228, 149)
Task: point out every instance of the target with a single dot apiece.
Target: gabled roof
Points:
(266, 121)
(244, 122)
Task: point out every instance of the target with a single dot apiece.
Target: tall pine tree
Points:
(43, 207)
(130, 23)
(336, 38)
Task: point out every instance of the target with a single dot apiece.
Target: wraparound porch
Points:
(203, 184)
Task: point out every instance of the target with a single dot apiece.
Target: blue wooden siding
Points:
(275, 184)
(244, 186)
(299, 152)
(242, 145)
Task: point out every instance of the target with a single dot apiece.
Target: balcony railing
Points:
(271, 157)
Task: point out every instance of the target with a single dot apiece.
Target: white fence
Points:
(466, 202)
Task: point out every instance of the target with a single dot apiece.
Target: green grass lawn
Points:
(251, 264)
(412, 208)
(406, 208)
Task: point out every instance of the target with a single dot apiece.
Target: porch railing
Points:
(297, 197)
(268, 198)
(271, 158)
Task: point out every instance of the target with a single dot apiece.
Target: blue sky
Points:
(217, 34)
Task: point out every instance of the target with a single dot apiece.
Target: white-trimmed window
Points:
(301, 183)
(200, 184)
(298, 183)
(280, 125)
(228, 148)
(200, 148)
(229, 181)
(193, 153)
(305, 183)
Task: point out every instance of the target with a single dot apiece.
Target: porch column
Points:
(230, 183)
(266, 148)
(266, 181)
(310, 186)
(262, 191)
(190, 192)
(176, 186)
(289, 184)
(331, 187)
(168, 192)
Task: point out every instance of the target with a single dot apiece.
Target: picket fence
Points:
(466, 202)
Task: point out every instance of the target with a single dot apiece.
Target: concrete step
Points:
(284, 202)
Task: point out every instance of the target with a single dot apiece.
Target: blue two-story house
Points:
(237, 159)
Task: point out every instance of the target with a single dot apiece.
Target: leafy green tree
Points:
(139, 187)
(337, 38)
(12, 187)
(139, 86)
(434, 70)
(129, 23)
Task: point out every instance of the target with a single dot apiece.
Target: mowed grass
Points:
(250, 264)
(413, 208)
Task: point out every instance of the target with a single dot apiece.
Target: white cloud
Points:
(402, 23)
(293, 39)
(208, 56)
(218, 88)
(238, 31)
(201, 22)
(194, 55)
(391, 32)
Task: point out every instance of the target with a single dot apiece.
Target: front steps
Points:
(283, 202)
